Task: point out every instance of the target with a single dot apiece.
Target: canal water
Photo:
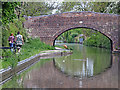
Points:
(87, 67)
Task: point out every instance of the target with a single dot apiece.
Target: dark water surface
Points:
(87, 67)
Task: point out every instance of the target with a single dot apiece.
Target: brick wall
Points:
(49, 27)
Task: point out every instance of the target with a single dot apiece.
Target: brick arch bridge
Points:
(49, 27)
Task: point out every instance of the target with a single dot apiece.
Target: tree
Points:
(8, 9)
(36, 8)
(82, 6)
(99, 6)
(113, 7)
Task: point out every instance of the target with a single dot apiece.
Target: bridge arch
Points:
(49, 27)
(60, 33)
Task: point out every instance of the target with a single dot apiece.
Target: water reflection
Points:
(49, 76)
(85, 61)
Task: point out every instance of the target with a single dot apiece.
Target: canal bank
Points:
(6, 74)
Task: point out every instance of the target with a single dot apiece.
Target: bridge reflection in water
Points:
(50, 77)
(85, 69)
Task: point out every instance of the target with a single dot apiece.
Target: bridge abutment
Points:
(115, 49)
(47, 40)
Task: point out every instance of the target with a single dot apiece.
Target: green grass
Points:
(30, 48)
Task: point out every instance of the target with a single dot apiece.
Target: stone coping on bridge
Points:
(6, 74)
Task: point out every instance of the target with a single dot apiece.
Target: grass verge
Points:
(30, 48)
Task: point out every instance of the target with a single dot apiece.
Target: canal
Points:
(87, 67)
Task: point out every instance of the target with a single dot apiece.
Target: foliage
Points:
(35, 8)
(82, 6)
(98, 40)
(113, 7)
(91, 37)
(9, 59)
(118, 7)
(8, 11)
(13, 27)
(102, 7)
(74, 35)
(99, 6)
(66, 6)
(0, 13)
(30, 48)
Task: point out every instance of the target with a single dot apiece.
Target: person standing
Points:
(11, 41)
(19, 41)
